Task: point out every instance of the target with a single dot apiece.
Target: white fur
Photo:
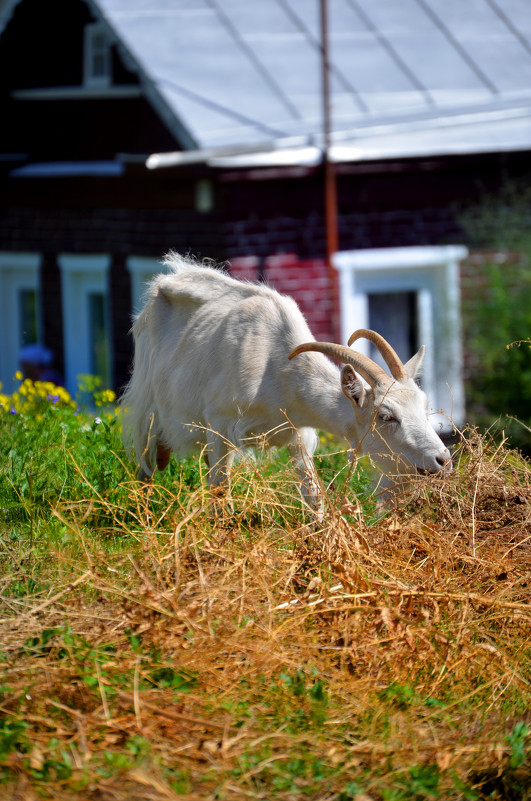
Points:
(211, 371)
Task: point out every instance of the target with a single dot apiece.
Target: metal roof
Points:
(408, 78)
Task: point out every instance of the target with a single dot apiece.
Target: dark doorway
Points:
(394, 315)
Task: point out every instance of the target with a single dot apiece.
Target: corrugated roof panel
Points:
(257, 18)
(367, 65)
(277, 54)
(163, 41)
(392, 18)
(200, 57)
(212, 128)
(505, 61)
(341, 16)
(483, 31)
(518, 12)
(436, 65)
(470, 18)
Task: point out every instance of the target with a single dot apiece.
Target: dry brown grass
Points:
(259, 658)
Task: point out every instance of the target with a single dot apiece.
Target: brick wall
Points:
(306, 280)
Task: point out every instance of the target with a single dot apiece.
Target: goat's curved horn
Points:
(369, 370)
(389, 354)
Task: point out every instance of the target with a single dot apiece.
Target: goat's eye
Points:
(387, 417)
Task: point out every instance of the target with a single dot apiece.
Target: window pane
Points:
(99, 349)
(97, 56)
(28, 317)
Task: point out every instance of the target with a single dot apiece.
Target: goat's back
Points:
(195, 310)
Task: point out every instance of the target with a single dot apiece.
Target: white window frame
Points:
(80, 276)
(141, 269)
(431, 272)
(91, 32)
(18, 271)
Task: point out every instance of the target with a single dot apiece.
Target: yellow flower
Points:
(63, 395)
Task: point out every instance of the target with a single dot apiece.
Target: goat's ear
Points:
(352, 386)
(414, 365)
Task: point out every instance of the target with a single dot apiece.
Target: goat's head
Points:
(390, 422)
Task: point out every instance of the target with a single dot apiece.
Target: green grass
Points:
(150, 652)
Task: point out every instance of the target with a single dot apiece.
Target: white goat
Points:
(214, 370)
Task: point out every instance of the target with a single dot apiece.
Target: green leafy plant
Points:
(180, 680)
(497, 314)
(401, 695)
(12, 735)
(517, 739)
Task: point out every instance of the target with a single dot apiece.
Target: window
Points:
(410, 296)
(28, 316)
(86, 318)
(98, 329)
(20, 319)
(97, 65)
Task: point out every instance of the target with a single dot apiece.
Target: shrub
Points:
(497, 316)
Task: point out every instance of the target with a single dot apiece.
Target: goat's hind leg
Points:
(151, 451)
(146, 465)
(147, 468)
(151, 456)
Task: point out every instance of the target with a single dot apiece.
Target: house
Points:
(130, 128)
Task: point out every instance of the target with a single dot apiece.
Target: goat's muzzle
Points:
(445, 466)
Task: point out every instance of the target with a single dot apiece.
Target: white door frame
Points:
(433, 274)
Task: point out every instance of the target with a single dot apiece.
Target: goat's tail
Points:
(140, 420)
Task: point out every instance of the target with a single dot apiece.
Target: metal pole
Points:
(330, 186)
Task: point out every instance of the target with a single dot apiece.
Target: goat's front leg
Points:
(310, 486)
